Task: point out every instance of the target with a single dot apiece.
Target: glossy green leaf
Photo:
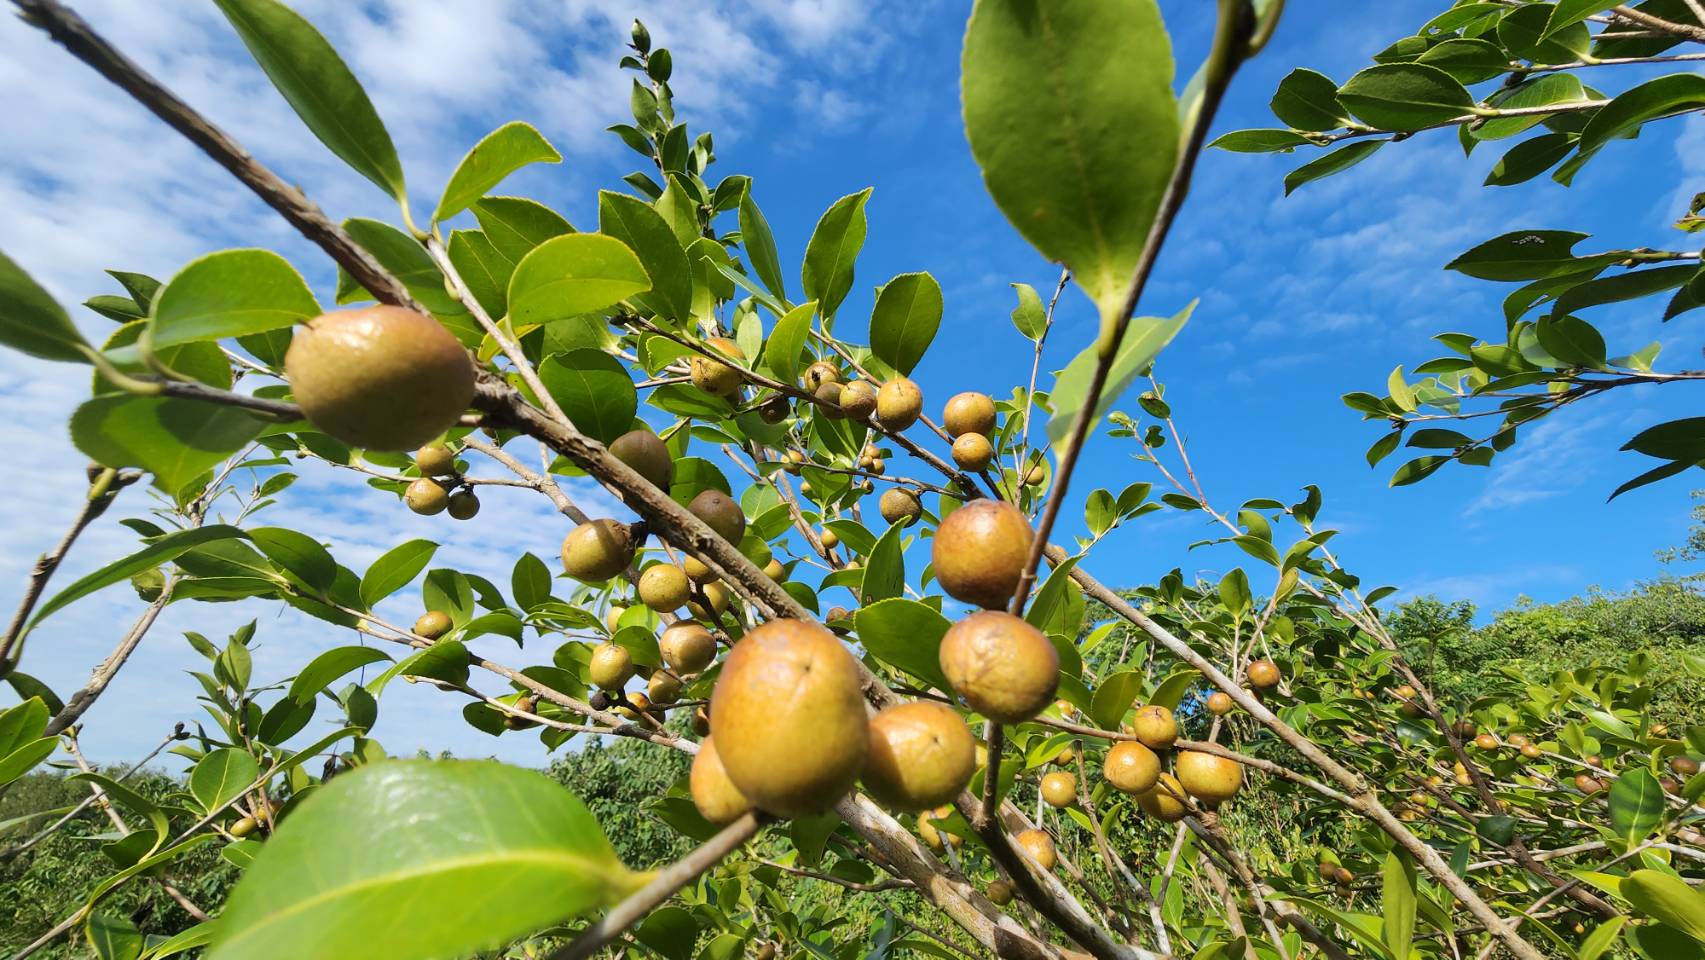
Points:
(319, 87)
(113, 937)
(33, 322)
(827, 273)
(1529, 32)
(594, 389)
(483, 268)
(1520, 255)
(231, 293)
(1144, 339)
(1547, 90)
(1404, 96)
(1664, 897)
(23, 723)
(1529, 159)
(298, 553)
(782, 349)
(502, 152)
(176, 440)
(1682, 439)
(1113, 698)
(1051, 610)
(885, 568)
(1399, 903)
(1597, 942)
(222, 776)
(165, 549)
(1030, 317)
(574, 274)
(1636, 805)
(1306, 100)
(328, 667)
(1467, 59)
(1339, 160)
(24, 759)
(1648, 101)
(404, 258)
(1260, 141)
(905, 634)
(760, 246)
(395, 569)
(1070, 114)
(515, 225)
(637, 224)
(1567, 12)
(1618, 287)
(904, 322)
(425, 845)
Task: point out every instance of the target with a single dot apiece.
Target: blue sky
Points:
(1302, 299)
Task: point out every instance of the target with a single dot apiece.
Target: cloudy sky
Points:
(1302, 299)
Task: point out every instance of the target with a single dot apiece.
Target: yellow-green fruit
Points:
(877, 467)
(934, 837)
(899, 506)
(921, 755)
(243, 827)
(820, 373)
(379, 377)
(980, 552)
(968, 412)
(1155, 726)
(1220, 703)
(1000, 893)
(686, 647)
(829, 538)
(696, 569)
(1003, 667)
(718, 597)
(1264, 675)
(972, 451)
(597, 550)
(774, 570)
(663, 687)
(639, 704)
(1162, 800)
(1131, 767)
(1486, 741)
(435, 460)
(611, 666)
(716, 796)
(701, 722)
(649, 457)
(613, 617)
(713, 376)
(789, 713)
(463, 505)
(719, 512)
(432, 624)
(858, 399)
(1208, 778)
(1059, 789)
(525, 705)
(829, 401)
(664, 587)
(899, 403)
(1037, 474)
(1038, 846)
(1532, 751)
(426, 497)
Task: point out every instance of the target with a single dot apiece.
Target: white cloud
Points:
(1550, 459)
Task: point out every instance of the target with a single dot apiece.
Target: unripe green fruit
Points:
(900, 506)
(713, 376)
(463, 505)
(647, 455)
(980, 552)
(1131, 767)
(426, 497)
(968, 412)
(858, 400)
(829, 538)
(1162, 800)
(1000, 893)
(1038, 846)
(720, 513)
(1003, 667)
(432, 624)
(829, 401)
(244, 827)
(686, 647)
(664, 587)
(921, 755)
(611, 666)
(714, 794)
(899, 403)
(972, 451)
(1155, 726)
(717, 595)
(435, 460)
(1208, 778)
(597, 550)
(1059, 789)
(613, 616)
(663, 687)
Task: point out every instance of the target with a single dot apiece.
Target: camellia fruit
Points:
(972, 451)
(1220, 703)
(379, 377)
(713, 376)
(1038, 846)
(647, 455)
(858, 400)
(829, 401)
(686, 647)
(936, 838)
(820, 373)
(720, 513)
(611, 666)
(597, 550)
(968, 412)
(663, 687)
(1003, 667)
(462, 505)
(788, 712)
(1000, 893)
(664, 587)
(921, 756)
(426, 497)
(980, 552)
(1155, 726)
(1059, 789)
(1162, 802)
(432, 624)
(899, 506)
(1208, 778)
(435, 460)
(899, 403)
(716, 797)
(716, 595)
(1263, 674)
(1131, 767)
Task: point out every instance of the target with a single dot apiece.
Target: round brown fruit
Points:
(774, 410)
(789, 710)
(713, 376)
(1131, 767)
(664, 587)
(1486, 741)
(432, 624)
(426, 497)
(380, 377)
(968, 412)
(1342, 877)
(463, 505)
(719, 512)
(1038, 846)
(1588, 784)
(1220, 703)
(686, 647)
(716, 796)
(1162, 801)
(1003, 667)
(717, 596)
(1684, 765)
(513, 721)
(980, 552)
(921, 756)
(1262, 674)
(972, 451)
(1155, 726)
(597, 550)
(820, 373)
(663, 687)
(1208, 778)
(611, 666)
(829, 401)
(1059, 789)
(899, 403)
(435, 460)
(701, 722)
(858, 400)
(1000, 893)
(899, 506)
(647, 455)
(1518, 740)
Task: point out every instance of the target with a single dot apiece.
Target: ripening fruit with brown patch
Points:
(611, 666)
(701, 721)
(716, 595)
(663, 687)
(720, 513)
(1404, 692)
(968, 412)
(1342, 877)
(1038, 846)
(432, 624)
(1220, 703)
(899, 403)
(1131, 767)
(921, 756)
(820, 373)
(1059, 789)
(664, 587)
(980, 552)
(877, 467)
(1327, 869)
(1162, 800)
(1155, 726)
(1208, 778)
(647, 455)
(462, 505)
(527, 704)
(1588, 784)
(380, 377)
(686, 647)
(637, 703)
(435, 460)
(426, 497)
(899, 506)
(1486, 741)
(1000, 892)
(713, 376)
(858, 400)
(789, 713)
(1465, 729)
(597, 550)
(1262, 674)
(716, 797)
(1684, 765)
(1003, 667)
(972, 451)
(697, 570)
(829, 401)
(1593, 760)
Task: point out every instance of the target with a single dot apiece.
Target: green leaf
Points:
(907, 314)
(1261, 141)
(165, 549)
(393, 571)
(905, 634)
(1527, 32)
(1667, 898)
(31, 321)
(1529, 159)
(1114, 697)
(1398, 906)
(1682, 439)
(782, 349)
(885, 568)
(22, 723)
(760, 245)
(1542, 91)
(24, 759)
(1521, 255)
(1144, 339)
(515, 225)
(1417, 469)
(1030, 317)
(222, 776)
(1070, 114)
(637, 224)
(1565, 13)
(113, 937)
(298, 553)
(827, 273)
(1405, 96)
(1675, 93)
(1597, 942)
(1306, 100)
(574, 274)
(232, 293)
(1051, 611)
(670, 931)
(405, 259)
(1337, 161)
(502, 152)
(1621, 286)
(1636, 805)
(594, 389)
(483, 268)
(176, 440)
(1468, 59)
(328, 667)
(420, 844)
(319, 87)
